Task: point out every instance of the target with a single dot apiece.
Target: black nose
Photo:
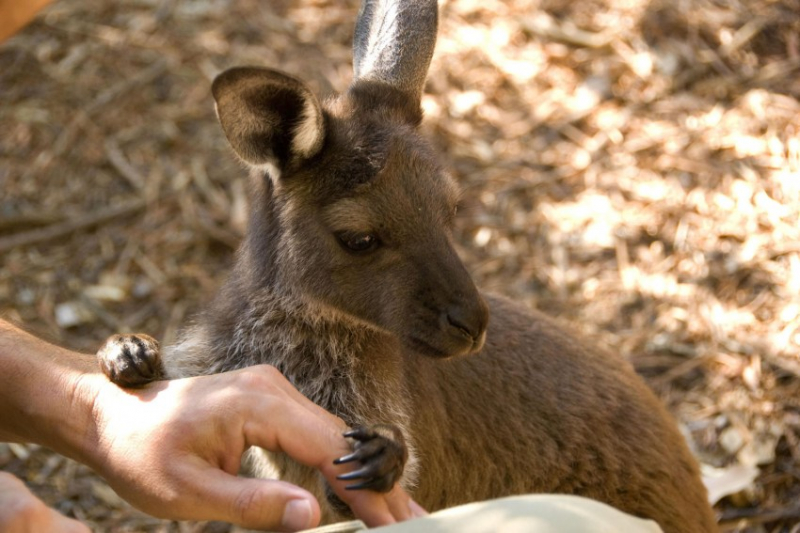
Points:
(470, 321)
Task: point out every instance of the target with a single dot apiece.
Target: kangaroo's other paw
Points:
(131, 360)
(382, 452)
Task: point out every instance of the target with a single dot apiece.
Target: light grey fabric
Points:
(539, 513)
(354, 526)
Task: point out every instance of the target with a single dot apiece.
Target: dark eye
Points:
(358, 242)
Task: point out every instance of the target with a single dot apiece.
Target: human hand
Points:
(173, 449)
(22, 512)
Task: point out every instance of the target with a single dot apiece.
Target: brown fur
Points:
(398, 334)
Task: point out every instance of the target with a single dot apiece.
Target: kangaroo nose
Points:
(469, 321)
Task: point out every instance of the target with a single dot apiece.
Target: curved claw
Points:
(382, 453)
(355, 474)
(355, 456)
(357, 433)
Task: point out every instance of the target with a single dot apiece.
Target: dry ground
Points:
(631, 167)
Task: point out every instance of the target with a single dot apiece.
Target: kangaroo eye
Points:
(358, 242)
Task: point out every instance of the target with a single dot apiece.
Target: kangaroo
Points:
(348, 283)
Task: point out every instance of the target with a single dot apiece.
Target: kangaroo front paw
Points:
(382, 452)
(131, 360)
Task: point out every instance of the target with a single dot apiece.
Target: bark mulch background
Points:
(629, 166)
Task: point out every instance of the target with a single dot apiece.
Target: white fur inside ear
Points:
(308, 131)
(270, 169)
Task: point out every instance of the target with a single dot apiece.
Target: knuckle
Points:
(262, 377)
(247, 380)
(271, 373)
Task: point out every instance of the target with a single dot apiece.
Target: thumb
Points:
(259, 503)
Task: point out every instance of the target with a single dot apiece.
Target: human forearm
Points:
(17, 14)
(38, 402)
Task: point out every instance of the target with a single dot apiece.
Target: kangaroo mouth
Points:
(464, 346)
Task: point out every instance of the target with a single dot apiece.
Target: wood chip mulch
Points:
(631, 167)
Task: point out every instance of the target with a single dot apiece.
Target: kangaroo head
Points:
(354, 211)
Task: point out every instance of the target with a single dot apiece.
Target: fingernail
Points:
(297, 515)
(416, 509)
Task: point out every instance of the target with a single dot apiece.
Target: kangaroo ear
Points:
(393, 45)
(269, 118)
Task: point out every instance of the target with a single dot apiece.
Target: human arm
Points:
(22, 512)
(16, 14)
(172, 449)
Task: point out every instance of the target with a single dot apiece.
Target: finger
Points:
(256, 503)
(395, 503)
(373, 508)
(21, 510)
(63, 524)
(285, 425)
(417, 511)
(313, 437)
(402, 506)
(279, 380)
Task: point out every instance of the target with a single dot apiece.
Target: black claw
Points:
(359, 433)
(375, 454)
(355, 474)
(355, 456)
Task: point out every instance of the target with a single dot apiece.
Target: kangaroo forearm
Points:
(39, 402)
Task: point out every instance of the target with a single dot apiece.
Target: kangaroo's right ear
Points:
(269, 118)
(393, 45)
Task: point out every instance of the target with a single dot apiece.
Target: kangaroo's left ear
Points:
(269, 118)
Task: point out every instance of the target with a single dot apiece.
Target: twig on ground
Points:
(121, 164)
(67, 227)
(546, 26)
(67, 135)
(28, 220)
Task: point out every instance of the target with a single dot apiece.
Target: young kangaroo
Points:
(348, 283)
